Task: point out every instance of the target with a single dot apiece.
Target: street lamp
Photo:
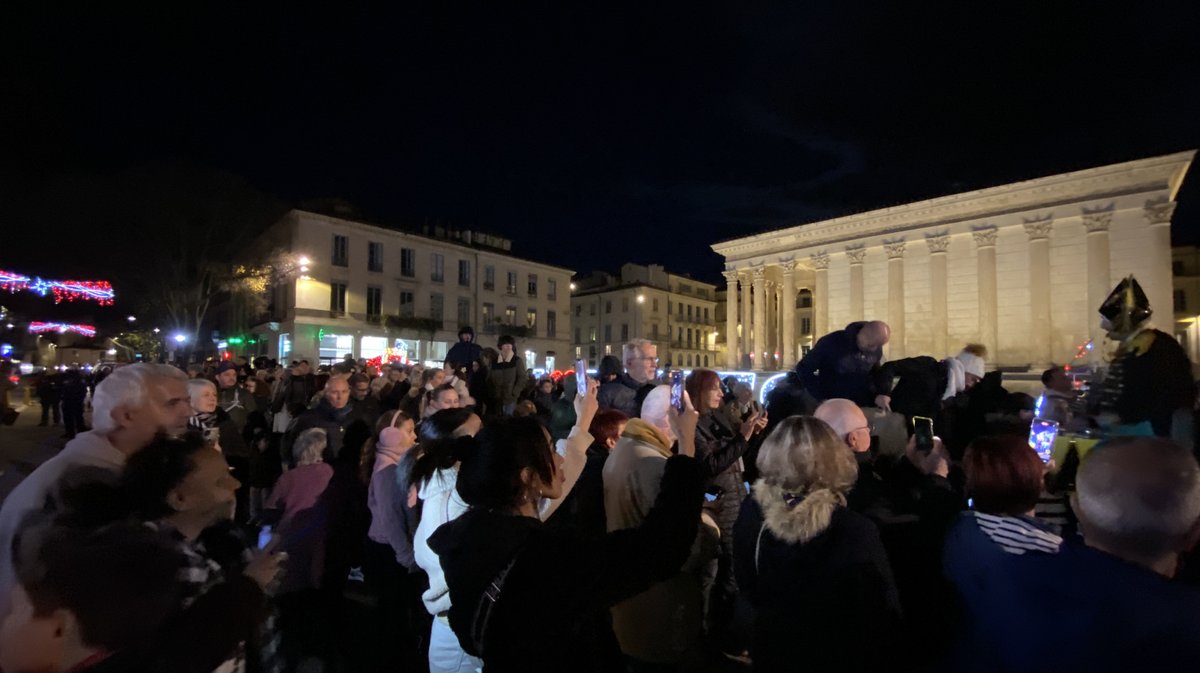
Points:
(304, 263)
(132, 318)
(179, 338)
(157, 330)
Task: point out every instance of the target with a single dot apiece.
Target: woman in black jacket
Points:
(521, 594)
(815, 572)
(719, 450)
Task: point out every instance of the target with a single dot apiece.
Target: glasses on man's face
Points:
(652, 358)
(868, 427)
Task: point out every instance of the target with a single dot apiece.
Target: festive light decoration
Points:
(61, 328)
(99, 291)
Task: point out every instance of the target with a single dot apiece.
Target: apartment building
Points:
(676, 312)
(372, 291)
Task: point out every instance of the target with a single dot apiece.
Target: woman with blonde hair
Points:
(815, 572)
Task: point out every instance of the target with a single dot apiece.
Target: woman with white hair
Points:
(221, 433)
(815, 571)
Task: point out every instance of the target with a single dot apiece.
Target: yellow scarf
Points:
(642, 431)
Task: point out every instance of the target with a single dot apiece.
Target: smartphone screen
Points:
(1042, 434)
(677, 390)
(264, 536)
(923, 432)
(580, 377)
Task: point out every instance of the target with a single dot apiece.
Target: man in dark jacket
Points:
(333, 414)
(49, 395)
(233, 397)
(507, 377)
(464, 353)
(641, 371)
(845, 365)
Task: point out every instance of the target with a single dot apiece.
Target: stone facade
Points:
(1021, 268)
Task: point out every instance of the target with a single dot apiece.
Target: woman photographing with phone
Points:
(521, 591)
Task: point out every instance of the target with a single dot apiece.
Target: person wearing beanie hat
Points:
(1149, 379)
(926, 385)
(464, 353)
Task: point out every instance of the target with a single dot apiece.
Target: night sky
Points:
(591, 136)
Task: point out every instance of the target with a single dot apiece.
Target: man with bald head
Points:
(845, 364)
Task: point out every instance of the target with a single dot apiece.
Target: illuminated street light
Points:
(179, 338)
(157, 330)
(572, 287)
(132, 318)
(641, 299)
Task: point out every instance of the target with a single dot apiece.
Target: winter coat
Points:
(836, 368)
(819, 581)
(664, 622)
(333, 421)
(557, 581)
(1150, 378)
(506, 381)
(238, 403)
(616, 395)
(462, 354)
(921, 387)
(720, 448)
(294, 393)
(301, 494)
(1100, 613)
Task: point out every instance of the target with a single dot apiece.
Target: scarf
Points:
(387, 455)
(641, 431)
(956, 378)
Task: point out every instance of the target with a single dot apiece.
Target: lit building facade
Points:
(677, 313)
(1185, 271)
(1021, 268)
(369, 291)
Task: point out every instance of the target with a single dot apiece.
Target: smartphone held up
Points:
(677, 390)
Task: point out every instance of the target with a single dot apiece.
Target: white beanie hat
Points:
(971, 358)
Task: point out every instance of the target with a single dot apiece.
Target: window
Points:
(689, 359)
(551, 289)
(625, 304)
(512, 283)
(488, 314)
(435, 306)
(608, 307)
(608, 333)
(533, 285)
(591, 309)
(408, 262)
(805, 299)
(689, 311)
(592, 335)
(1177, 268)
(531, 320)
(341, 251)
(689, 338)
(438, 272)
(374, 256)
(678, 360)
(624, 332)
(374, 301)
(592, 353)
(489, 278)
(608, 349)
(578, 310)
(551, 324)
(706, 314)
(337, 298)
(806, 325)
(407, 304)
(669, 304)
(464, 311)
(464, 273)
(578, 335)
(705, 360)
(655, 304)
(510, 315)
(680, 307)
(654, 331)
(1180, 301)
(578, 352)
(373, 347)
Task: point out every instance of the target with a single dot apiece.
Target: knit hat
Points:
(972, 359)
(225, 366)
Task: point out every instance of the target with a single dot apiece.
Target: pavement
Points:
(24, 445)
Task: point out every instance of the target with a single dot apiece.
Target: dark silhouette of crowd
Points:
(471, 516)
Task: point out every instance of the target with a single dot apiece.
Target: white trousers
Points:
(445, 654)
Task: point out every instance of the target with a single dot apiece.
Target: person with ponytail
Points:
(522, 593)
(815, 572)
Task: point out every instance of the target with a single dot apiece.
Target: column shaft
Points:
(895, 253)
(760, 318)
(747, 342)
(937, 292)
(986, 270)
(1040, 318)
(788, 352)
(731, 333)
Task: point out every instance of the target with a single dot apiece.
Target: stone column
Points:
(820, 263)
(1040, 326)
(985, 238)
(1096, 222)
(760, 318)
(732, 347)
(747, 342)
(1158, 284)
(788, 304)
(938, 284)
(777, 353)
(772, 329)
(895, 255)
(856, 254)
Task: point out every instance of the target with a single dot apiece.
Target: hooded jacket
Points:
(836, 368)
(818, 578)
(557, 580)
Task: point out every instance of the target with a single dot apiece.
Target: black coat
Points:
(836, 368)
(559, 581)
(1149, 379)
(718, 448)
(333, 422)
(815, 602)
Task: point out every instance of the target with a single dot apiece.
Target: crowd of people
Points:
(249, 516)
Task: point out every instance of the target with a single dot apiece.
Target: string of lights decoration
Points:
(61, 328)
(99, 291)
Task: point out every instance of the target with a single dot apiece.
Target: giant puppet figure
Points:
(1150, 377)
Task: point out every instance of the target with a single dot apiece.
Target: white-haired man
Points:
(129, 407)
(660, 625)
(640, 358)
